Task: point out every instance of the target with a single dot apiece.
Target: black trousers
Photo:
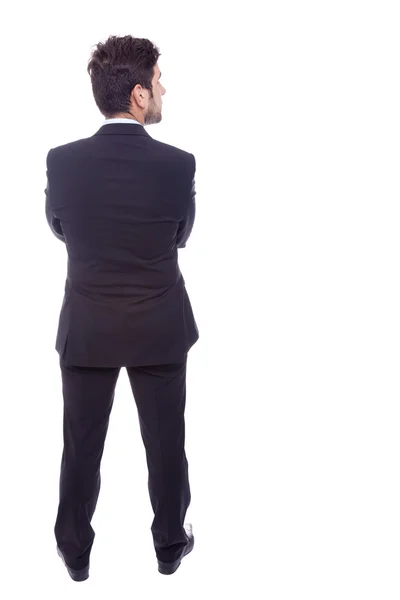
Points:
(160, 395)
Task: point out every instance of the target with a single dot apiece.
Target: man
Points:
(123, 203)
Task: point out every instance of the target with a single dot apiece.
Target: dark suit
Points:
(123, 203)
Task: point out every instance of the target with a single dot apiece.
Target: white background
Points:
(292, 111)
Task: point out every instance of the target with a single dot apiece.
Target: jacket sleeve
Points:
(186, 225)
(53, 222)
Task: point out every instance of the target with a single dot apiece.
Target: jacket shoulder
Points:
(172, 150)
(160, 148)
(69, 147)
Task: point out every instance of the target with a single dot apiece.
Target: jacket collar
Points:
(122, 129)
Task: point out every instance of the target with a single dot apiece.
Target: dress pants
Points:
(160, 395)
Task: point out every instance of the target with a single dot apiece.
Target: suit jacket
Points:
(123, 203)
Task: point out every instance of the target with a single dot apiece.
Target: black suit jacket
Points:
(123, 203)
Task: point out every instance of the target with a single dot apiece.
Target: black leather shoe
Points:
(168, 568)
(80, 575)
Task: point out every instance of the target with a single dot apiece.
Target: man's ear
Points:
(138, 95)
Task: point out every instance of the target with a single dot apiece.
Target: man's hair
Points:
(116, 66)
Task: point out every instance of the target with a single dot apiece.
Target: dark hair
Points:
(116, 66)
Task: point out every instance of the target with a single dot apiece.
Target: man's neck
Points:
(128, 116)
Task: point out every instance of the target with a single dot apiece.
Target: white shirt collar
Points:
(112, 121)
